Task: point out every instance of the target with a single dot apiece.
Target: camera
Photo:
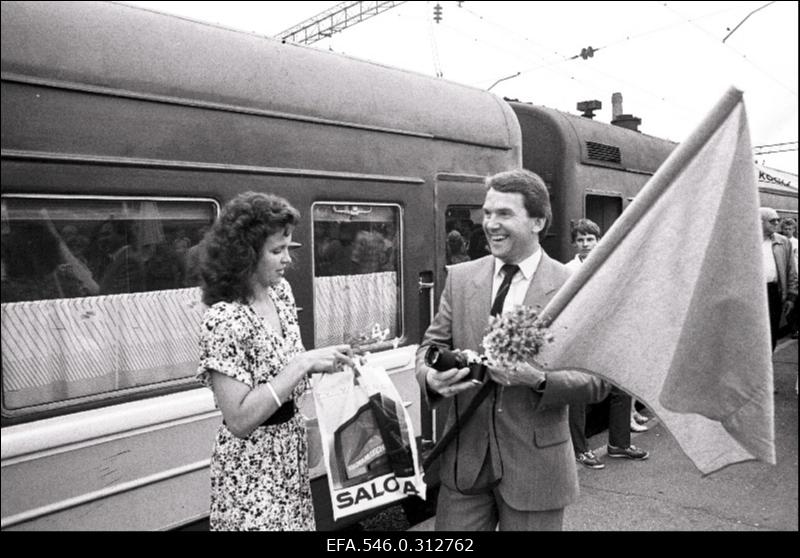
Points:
(442, 359)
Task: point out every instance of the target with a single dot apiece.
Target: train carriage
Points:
(123, 132)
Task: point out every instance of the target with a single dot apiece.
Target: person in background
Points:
(76, 242)
(115, 259)
(38, 265)
(191, 265)
(511, 467)
(585, 234)
(163, 268)
(369, 252)
(789, 230)
(638, 419)
(478, 246)
(253, 360)
(781, 271)
(456, 248)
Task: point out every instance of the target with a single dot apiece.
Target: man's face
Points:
(511, 233)
(770, 222)
(585, 243)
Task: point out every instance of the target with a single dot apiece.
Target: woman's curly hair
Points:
(232, 248)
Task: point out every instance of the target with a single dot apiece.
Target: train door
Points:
(459, 238)
(364, 245)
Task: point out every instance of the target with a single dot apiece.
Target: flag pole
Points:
(678, 160)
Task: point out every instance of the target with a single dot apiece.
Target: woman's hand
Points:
(328, 359)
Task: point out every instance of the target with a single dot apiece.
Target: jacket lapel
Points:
(479, 292)
(544, 283)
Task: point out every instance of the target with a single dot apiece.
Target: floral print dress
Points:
(261, 482)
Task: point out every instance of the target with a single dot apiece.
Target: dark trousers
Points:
(791, 319)
(775, 309)
(619, 422)
(619, 418)
(577, 427)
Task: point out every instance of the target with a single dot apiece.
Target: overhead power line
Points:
(745, 19)
(503, 79)
(745, 58)
(775, 144)
(776, 151)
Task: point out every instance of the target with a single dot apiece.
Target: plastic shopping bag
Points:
(367, 440)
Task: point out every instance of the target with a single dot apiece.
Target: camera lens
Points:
(432, 356)
(441, 359)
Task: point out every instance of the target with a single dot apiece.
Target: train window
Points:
(356, 271)
(465, 238)
(96, 295)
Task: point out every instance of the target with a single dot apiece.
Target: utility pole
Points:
(335, 19)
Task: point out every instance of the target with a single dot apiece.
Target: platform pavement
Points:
(667, 493)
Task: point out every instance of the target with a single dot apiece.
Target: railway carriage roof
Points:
(639, 151)
(119, 47)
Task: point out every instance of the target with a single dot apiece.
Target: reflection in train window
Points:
(66, 248)
(356, 271)
(465, 239)
(95, 295)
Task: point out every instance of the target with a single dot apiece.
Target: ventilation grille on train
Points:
(603, 152)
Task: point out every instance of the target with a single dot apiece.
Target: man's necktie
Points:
(508, 270)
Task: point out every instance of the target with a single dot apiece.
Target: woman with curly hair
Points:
(253, 359)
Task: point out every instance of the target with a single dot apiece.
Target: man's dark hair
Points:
(535, 196)
(585, 227)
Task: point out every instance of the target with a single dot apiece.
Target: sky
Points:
(667, 59)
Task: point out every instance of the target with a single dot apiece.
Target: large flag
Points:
(671, 305)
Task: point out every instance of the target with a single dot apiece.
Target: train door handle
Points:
(426, 283)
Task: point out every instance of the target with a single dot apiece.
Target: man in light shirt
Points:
(780, 270)
(789, 230)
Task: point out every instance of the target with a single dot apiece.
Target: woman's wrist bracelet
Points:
(274, 394)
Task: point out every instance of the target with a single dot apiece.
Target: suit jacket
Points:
(787, 268)
(530, 441)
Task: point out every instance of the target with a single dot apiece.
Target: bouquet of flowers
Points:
(515, 337)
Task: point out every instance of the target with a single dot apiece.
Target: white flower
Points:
(515, 337)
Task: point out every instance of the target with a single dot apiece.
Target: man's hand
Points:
(787, 307)
(449, 382)
(523, 374)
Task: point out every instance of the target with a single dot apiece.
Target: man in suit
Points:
(511, 466)
(780, 269)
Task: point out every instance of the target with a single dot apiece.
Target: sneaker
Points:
(588, 459)
(639, 418)
(631, 452)
(636, 427)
